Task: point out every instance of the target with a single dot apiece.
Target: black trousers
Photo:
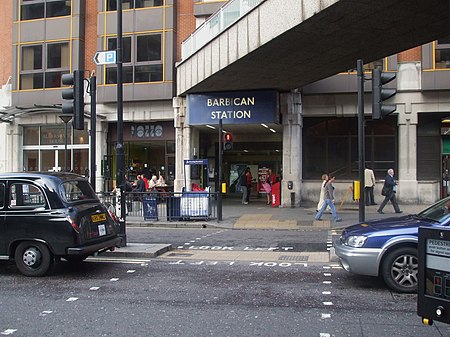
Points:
(368, 192)
(393, 199)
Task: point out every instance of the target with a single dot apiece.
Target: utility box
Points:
(433, 292)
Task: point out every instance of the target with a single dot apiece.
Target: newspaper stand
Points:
(433, 300)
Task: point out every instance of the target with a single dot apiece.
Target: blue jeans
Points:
(327, 202)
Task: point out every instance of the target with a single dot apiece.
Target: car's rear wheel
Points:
(33, 258)
(400, 270)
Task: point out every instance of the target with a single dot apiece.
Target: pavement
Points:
(258, 215)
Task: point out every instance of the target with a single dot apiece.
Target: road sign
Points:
(105, 57)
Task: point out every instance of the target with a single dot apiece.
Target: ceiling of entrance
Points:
(330, 42)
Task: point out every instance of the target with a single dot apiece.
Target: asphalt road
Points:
(279, 240)
(163, 297)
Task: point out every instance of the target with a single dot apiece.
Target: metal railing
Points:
(216, 24)
(166, 206)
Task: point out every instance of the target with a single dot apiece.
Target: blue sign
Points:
(240, 107)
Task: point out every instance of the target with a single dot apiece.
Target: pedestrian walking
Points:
(369, 184)
(322, 192)
(328, 200)
(243, 187)
(248, 175)
(389, 190)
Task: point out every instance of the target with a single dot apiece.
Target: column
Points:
(291, 108)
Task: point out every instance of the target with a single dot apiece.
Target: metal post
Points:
(120, 156)
(66, 119)
(361, 139)
(93, 85)
(219, 196)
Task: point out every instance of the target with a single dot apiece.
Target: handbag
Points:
(385, 190)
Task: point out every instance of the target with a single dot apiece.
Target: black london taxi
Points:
(45, 216)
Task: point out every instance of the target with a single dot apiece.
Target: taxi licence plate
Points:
(98, 217)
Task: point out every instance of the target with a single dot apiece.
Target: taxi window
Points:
(2, 195)
(25, 195)
(77, 190)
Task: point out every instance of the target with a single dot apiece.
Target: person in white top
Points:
(369, 184)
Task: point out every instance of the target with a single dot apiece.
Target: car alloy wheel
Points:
(400, 270)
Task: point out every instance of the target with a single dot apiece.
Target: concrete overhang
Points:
(287, 44)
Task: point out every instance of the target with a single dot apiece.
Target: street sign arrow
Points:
(105, 57)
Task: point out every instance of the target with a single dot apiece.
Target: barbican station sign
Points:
(243, 107)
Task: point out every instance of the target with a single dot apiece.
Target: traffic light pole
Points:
(219, 195)
(361, 138)
(120, 155)
(93, 93)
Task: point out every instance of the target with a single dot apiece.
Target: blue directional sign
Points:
(105, 57)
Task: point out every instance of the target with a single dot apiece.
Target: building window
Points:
(130, 4)
(442, 53)
(331, 146)
(37, 74)
(142, 58)
(40, 9)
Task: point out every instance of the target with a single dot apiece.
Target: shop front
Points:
(149, 149)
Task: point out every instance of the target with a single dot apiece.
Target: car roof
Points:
(45, 177)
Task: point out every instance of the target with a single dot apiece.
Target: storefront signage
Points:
(146, 131)
(246, 107)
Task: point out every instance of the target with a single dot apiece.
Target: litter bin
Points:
(150, 206)
(173, 208)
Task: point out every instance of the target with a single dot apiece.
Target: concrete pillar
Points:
(101, 150)
(291, 108)
(407, 154)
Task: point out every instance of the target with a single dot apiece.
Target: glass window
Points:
(39, 9)
(32, 57)
(53, 135)
(31, 135)
(81, 161)
(57, 8)
(148, 48)
(58, 55)
(331, 146)
(31, 160)
(76, 190)
(126, 47)
(81, 136)
(150, 73)
(32, 81)
(111, 5)
(30, 11)
(26, 195)
(145, 49)
(428, 146)
(2, 195)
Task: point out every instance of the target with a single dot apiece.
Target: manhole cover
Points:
(293, 258)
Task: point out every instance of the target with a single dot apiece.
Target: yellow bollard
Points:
(356, 186)
(224, 188)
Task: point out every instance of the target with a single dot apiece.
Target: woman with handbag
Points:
(388, 191)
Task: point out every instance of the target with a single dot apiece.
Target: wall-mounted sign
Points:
(243, 107)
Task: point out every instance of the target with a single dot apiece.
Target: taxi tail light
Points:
(74, 224)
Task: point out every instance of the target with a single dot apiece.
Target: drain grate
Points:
(302, 258)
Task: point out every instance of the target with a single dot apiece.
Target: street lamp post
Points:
(66, 119)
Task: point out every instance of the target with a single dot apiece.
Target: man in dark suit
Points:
(390, 188)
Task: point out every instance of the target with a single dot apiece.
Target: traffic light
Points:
(228, 141)
(380, 94)
(76, 96)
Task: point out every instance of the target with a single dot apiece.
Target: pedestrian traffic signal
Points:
(380, 94)
(228, 141)
(74, 97)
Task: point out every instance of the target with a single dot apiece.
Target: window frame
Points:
(438, 47)
(44, 69)
(134, 64)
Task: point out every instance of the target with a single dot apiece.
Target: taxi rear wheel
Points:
(33, 258)
(400, 270)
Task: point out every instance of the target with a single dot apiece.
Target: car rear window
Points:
(77, 190)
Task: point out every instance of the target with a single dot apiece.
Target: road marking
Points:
(326, 292)
(328, 303)
(45, 312)
(72, 299)
(118, 260)
(324, 316)
(131, 271)
(114, 279)
(8, 331)
(326, 282)
(94, 288)
(326, 274)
